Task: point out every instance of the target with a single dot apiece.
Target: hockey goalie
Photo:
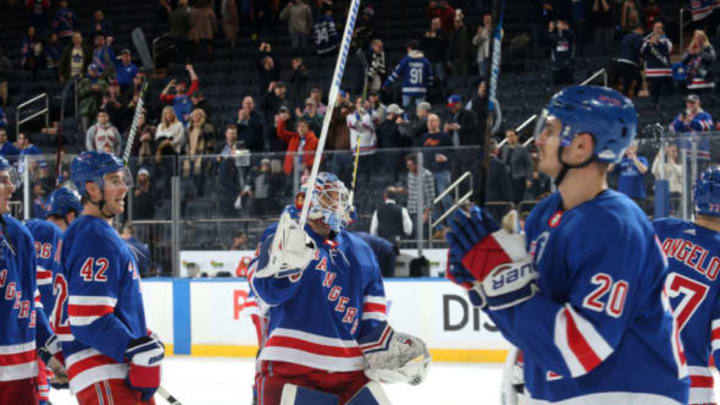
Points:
(328, 341)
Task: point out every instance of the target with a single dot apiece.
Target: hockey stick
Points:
(138, 39)
(494, 70)
(135, 123)
(166, 396)
(334, 89)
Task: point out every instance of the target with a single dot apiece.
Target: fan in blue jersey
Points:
(109, 354)
(25, 334)
(581, 293)
(327, 332)
(417, 75)
(693, 251)
(64, 206)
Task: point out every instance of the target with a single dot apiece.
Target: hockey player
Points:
(327, 334)
(64, 206)
(693, 252)
(417, 75)
(110, 357)
(583, 298)
(25, 334)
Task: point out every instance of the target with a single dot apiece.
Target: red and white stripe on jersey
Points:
(250, 307)
(701, 385)
(312, 350)
(374, 307)
(611, 398)
(18, 362)
(84, 310)
(43, 276)
(89, 366)
(38, 302)
(715, 334)
(582, 347)
(650, 72)
(699, 83)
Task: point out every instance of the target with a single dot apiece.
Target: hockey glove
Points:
(489, 262)
(59, 378)
(391, 357)
(291, 250)
(50, 349)
(144, 355)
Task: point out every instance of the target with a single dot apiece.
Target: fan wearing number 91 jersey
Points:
(693, 251)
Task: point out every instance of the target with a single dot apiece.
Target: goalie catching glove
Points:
(291, 250)
(489, 262)
(391, 357)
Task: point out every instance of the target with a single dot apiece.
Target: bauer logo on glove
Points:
(509, 284)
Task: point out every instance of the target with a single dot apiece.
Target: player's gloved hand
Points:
(391, 357)
(49, 349)
(291, 250)
(499, 267)
(59, 378)
(144, 356)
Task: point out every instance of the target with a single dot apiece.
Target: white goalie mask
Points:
(329, 201)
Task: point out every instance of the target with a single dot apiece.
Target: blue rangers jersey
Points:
(694, 260)
(600, 330)
(701, 122)
(46, 235)
(315, 318)
(416, 72)
(98, 288)
(23, 328)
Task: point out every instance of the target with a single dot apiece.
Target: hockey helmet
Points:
(329, 201)
(92, 166)
(13, 177)
(63, 200)
(605, 113)
(707, 192)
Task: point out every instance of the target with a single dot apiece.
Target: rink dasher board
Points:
(209, 317)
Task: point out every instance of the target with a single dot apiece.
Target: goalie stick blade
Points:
(138, 39)
(166, 396)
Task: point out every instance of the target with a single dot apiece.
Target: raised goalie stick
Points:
(138, 39)
(334, 89)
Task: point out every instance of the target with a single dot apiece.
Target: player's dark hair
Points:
(412, 45)
(411, 157)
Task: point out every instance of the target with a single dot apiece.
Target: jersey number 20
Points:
(618, 293)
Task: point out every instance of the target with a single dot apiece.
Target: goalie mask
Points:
(329, 201)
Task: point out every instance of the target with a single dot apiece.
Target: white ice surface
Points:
(228, 381)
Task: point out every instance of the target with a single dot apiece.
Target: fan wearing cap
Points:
(110, 355)
(124, 68)
(692, 120)
(582, 292)
(90, 92)
(181, 99)
(303, 141)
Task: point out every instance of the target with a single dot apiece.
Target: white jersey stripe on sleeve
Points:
(378, 316)
(372, 299)
(580, 344)
(92, 300)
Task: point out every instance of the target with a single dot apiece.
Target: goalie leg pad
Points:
(371, 393)
(296, 395)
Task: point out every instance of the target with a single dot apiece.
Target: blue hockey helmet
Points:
(63, 200)
(605, 113)
(707, 192)
(329, 201)
(92, 166)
